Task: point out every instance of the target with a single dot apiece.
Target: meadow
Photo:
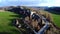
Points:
(56, 19)
(6, 26)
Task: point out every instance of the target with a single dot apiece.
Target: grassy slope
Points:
(5, 23)
(56, 19)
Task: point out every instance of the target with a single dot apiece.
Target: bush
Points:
(47, 15)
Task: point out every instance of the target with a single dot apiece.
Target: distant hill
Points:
(57, 9)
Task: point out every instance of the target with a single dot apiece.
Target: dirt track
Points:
(2, 11)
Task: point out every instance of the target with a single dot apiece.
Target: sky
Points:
(48, 3)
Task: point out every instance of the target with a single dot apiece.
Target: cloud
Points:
(30, 2)
(50, 3)
(19, 2)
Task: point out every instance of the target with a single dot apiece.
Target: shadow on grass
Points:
(13, 19)
(23, 29)
(11, 23)
(5, 33)
(18, 16)
(12, 31)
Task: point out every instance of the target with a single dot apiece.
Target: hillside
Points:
(9, 15)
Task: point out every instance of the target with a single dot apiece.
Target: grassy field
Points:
(56, 19)
(6, 26)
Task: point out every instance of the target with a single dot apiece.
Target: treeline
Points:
(57, 9)
(16, 9)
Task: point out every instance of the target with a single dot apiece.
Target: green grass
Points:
(5, 23)
(56, 19)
